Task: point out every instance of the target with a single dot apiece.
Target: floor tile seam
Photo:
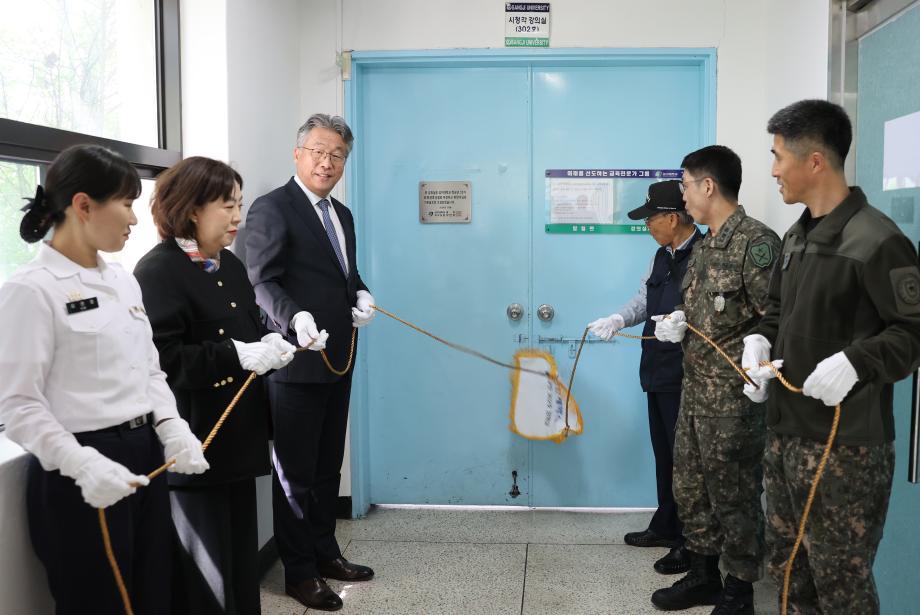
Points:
(524, 582)
(513, 542)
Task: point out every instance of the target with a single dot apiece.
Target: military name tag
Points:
(719, 303)
(82, 305)
(786, 258)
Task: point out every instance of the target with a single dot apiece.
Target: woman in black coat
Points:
(208, 330)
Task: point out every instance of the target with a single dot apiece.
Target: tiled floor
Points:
(452, 562)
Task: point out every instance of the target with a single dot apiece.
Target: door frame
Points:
(363, 61)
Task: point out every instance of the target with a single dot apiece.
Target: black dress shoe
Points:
(675, 562)
(341, 569)
(314, 594)
(648, 538)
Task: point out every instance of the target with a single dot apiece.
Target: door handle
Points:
(515, 311)
(545, 312)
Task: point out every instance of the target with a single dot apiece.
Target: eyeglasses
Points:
(683, 183)
(318, 154)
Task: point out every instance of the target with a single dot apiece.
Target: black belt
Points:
(135, 423)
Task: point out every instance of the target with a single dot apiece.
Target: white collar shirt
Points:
(67, 370)
(339, 231)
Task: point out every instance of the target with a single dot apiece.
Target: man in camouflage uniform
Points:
(720, 433)
(844, 313)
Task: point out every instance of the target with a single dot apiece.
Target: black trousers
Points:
(66, 536)
(309, 423)
(662, 420)
(216, 571)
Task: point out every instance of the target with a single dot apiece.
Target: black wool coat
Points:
(194, 316)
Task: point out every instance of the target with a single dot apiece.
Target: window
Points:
(83, 66)
(16, 182)
(86, 71)
(91, 71)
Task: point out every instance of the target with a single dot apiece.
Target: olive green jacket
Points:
(850, 285)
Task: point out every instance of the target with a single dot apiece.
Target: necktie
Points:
(330, 233)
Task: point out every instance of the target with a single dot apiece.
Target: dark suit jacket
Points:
(193, 317)
(292, 267)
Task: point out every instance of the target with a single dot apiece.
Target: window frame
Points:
(32, 143)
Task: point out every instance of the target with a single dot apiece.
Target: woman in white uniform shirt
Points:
(82, 390)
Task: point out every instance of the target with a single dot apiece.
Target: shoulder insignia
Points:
(905, 282)
(761, 254)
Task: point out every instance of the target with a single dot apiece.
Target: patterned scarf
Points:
(190, 247)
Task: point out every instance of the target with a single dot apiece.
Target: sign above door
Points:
(527, 24)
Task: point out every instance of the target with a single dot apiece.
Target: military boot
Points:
(702, 585)
(737, 598)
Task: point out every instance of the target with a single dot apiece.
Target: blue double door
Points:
(436, 421)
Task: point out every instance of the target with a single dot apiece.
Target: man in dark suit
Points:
(300, 247)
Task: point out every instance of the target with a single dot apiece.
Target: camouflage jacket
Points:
(724, 296)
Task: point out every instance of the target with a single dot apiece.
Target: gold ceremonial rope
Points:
(103, 524)
(220, 421)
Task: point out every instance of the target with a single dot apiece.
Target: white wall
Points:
(241, 104)
(770, 53)
(203, 61)
(794, 71)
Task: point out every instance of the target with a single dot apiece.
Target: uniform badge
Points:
(719, 303)
(786, 258)
(82, 305)
(761, 254)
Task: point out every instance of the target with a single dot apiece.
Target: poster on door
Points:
(596, 201)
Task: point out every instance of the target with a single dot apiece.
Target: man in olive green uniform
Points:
(720, 434)
(844, 314)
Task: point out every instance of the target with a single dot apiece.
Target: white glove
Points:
(257, 357)
(180, 443)
(759, 395)
(363, 313)
(284, 351)
(671, 327)
(102, 482)
(604, 328)
(832, 380)
(305, 327)
(756, 349)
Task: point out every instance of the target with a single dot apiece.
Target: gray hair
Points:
(323, 120)
(684, 218)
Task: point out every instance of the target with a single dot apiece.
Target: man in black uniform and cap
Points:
(660, 368)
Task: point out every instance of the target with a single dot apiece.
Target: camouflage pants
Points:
(718, 482)
(832, 573)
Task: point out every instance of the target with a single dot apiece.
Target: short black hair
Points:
(718, 162)
(814, 124)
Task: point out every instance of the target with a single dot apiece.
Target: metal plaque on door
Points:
(445, 202)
